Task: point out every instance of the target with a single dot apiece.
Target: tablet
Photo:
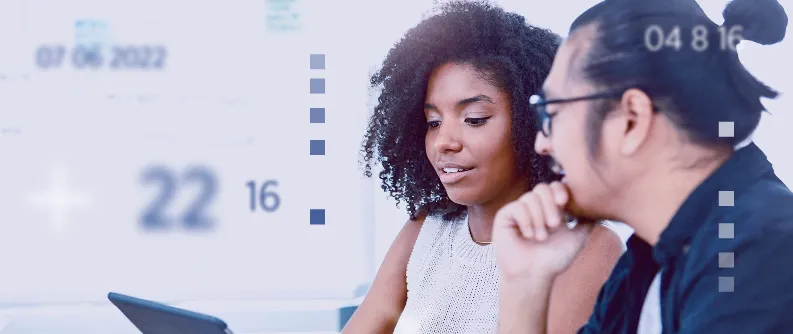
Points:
(156, 318)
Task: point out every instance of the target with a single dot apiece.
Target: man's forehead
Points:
(560, 73)
(566, 67)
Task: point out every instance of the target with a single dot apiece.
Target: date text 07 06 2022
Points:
(128, 57)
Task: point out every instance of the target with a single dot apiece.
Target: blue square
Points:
(317, 147)
(317, 217)
(317, 86)
(317, 61)
(317, 115)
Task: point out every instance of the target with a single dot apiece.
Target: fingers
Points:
(522, 214)
(549, 199)
(537, 212)
(532, 204)
(560, 194)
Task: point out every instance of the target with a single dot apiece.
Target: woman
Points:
(454, 133)
(647, 135)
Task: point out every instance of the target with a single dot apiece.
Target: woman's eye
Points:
(433, 124)
(477, 121)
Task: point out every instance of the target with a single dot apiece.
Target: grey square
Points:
(317, 115)
(726, 231)
(726, 198)
(727, 129)
(317, 147)
(726, 284)
(317, 86)
(726, 260)
(317, 61)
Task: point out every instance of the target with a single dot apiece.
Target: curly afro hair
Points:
(514, 56)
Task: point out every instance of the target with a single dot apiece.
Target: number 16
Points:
(263, 196)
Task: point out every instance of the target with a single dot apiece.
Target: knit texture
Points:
(452, 282)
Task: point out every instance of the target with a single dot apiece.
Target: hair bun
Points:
(763, 21)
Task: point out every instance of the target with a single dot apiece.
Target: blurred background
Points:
(205, 154)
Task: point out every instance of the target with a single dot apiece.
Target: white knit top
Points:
(452, 282)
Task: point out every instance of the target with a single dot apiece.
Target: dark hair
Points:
(514, 56)
(696, 87)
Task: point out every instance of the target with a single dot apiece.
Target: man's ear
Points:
(637, 114)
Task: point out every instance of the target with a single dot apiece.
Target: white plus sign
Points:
(59, 200)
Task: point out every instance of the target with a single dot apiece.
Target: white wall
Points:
(235, 98)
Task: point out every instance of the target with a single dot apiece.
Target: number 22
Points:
(153, 216)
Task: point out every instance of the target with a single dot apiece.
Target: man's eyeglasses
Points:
(540, 104)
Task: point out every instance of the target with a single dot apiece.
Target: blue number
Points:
(78, 57)
(131, 58)
(143, 57)
(264, 195)
(117, 58)
(47, 57)
(159, 57)
(194, 217)
(44, 57)
(252, 186)
(84, 56)
(153, 217)
(93, 57)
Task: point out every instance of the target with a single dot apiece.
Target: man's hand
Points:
(531, 236)
(533, 245)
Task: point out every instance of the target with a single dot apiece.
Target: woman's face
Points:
(468, 137)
